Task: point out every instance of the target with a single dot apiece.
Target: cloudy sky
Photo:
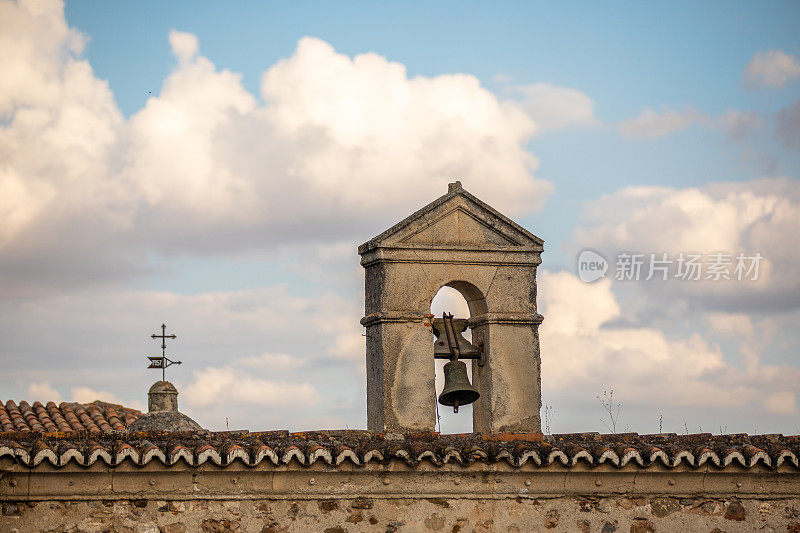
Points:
(214, 167)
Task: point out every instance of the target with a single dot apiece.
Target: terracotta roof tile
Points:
(88, 433)
(31, 448)
(96, 417)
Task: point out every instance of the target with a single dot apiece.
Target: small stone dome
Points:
(163, 415)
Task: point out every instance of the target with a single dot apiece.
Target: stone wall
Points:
(302, 494)
(606, 515)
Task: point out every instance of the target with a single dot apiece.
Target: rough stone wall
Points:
(606, 515)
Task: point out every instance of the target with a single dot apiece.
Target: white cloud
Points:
(734, 324)
(669, 324)
(582, 350)
(737, 217)
(42, 391)
(271, 360)
(650, 341)
(375, 134)
(780, 403)
(772, 68)
(88, 395)
(652, 124)
(185, 46)
(227, 386)
(739, 125)
(553, 107)
(36, 44)
(348, 344)
(61, 125)
(204, 166)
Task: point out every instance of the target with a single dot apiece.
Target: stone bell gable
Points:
(461, 242)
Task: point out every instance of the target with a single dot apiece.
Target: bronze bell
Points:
(457, 388)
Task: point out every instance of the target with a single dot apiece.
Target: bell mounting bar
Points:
(457, 347)
(464, 356)
(452, 343)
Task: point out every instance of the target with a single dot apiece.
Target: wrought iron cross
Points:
(162, 362)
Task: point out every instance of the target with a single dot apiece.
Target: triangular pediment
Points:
(456, 219)
(459, 226)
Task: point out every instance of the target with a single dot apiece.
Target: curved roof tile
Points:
(95, 417)
(32, 448)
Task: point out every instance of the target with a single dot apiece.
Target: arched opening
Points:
(463, 300)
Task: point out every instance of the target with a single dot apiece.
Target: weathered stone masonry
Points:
(615, 514)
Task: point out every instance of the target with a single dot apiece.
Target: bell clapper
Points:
(455, 407)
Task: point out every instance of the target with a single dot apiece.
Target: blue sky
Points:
(212, 155)
(628, 56)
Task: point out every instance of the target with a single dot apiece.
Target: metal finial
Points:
(162, 362)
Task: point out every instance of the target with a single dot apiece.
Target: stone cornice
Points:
(394, 479)
(457, 255)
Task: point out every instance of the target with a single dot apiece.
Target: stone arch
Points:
(476, 301)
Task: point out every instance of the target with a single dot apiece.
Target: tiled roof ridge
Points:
(95, 417)
(31, 448)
